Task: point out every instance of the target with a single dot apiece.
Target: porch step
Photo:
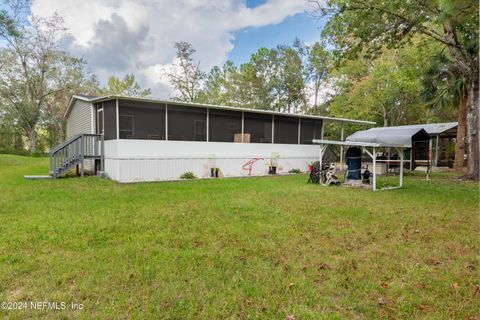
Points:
(36, 177)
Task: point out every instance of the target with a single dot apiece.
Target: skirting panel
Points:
(158, 169)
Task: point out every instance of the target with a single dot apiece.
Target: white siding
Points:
(149, 160)
(80, 120)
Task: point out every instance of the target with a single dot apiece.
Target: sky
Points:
(117, 37)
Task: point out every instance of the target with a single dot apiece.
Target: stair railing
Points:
(74, 151)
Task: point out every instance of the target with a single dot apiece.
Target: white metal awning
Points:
(360, 143)
(389, 136)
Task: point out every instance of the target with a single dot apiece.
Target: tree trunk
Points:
(32, 141)
(385, 117)
(460, 145)
(317, 89)
(473, 129)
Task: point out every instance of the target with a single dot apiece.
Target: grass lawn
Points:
(237, 248)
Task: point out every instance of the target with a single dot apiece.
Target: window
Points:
(286, 130)
(223, 125)
(140, 120)
(187, 123)
(310, 129)
(259, 126)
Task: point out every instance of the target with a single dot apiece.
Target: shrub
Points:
(188, 175)
(10, 150)
(295, 171)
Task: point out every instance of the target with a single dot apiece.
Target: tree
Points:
(187, 78)
(369, 25)
(219, 87)
(127, 86)
(29, 62)
(445, 87)
(387, 90)
(258, 81)
(7, 25)
(319, 64)
(75, 80)
(291, 82)
(273, 79)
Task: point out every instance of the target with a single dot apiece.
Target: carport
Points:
(372, 140)
(415, 136)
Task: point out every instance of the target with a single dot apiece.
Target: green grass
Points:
(237, 248)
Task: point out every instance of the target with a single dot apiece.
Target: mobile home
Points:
(135, 139)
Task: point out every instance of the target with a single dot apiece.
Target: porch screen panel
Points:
(187, 123)
(310, 129)
(259, 126)
(110, 119)
(142, 121)
(99, 120)
(223, 125)
(286, 130)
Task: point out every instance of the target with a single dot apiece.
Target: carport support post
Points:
(411, 158)
(436, 151)
(374, 158)
(429, 163)
(401, 151)
(341, 148)
(322, 151)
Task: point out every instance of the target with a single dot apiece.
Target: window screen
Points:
(223, 125)
(110, 119)
(141, 121)
(259, 126)
(187, 123)
(310, 129)
(126, 126)
(285, 130)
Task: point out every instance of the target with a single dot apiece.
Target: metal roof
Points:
(388, 136)
(358, 143)
(433, 129)
(193, 104)
(85, 96)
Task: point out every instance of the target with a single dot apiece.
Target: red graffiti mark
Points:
(248, 166)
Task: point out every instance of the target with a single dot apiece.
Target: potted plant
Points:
(212, 163)
(272, 167)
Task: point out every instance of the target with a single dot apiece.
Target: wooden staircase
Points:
(74, 151)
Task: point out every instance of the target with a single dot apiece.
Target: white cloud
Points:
(137, 36)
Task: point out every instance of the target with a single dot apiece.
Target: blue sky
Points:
(248, 40)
